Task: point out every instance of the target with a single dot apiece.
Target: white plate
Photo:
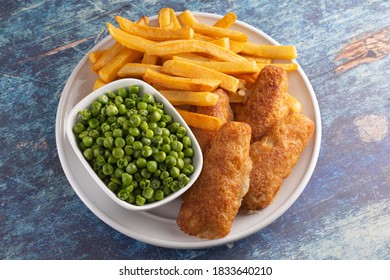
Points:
(159, 227)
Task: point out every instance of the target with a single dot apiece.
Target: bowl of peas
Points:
(134, 144)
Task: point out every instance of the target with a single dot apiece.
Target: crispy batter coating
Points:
(220, 110)
(266, 101)
(273, 158)
(211, 204)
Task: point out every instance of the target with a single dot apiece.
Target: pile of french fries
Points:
(187, 60)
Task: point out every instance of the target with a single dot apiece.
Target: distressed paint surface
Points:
(344, 213)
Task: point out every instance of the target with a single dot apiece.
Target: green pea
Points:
(180, 163)
(148, 192)
(167, 119)
(167, 191)
(112, 186)
(131, 198)
(108, 169)
(123, 194)
(182, 180)
(166, 148)
(94, 133)
(135, 120)
(134, 131)
(144, 183)
(88, 154)
(164, 174)
(187, 143)
(167, 181)
(118, 173)
(131, 168)
(174, 154)
(134, 89)
(148, 98)
(127, 179)
(173, 127)
(158, 195)
(120, 142)
(103, 99)
(140, 200)
(122, 109)
(87, 141)
(160, 156)
(144, 125)
(86, 114)
(108, 142)
(154, 117)
(188, 169)
(142, 106)
(175, 186)
(112, 110)
(118, 153)
(122, 162)
(129, 103)
(176, 146)
(117, 132)
(145, 173)
(148, 133)
(188, 152)
(174, 172)
(170, 161)
(122, 92)
(146, 151)
(152, 125)
(141, 162)
(129, 150)
(78, 128)
(152, 166)
(181, 132)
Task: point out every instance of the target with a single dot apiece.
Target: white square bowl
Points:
(197, 159)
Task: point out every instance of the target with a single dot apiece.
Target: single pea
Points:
(101, 174)
(129, 139)
(167, 181)
(175, 186)
(173, 127)
(100, 160)
(129, 103)
(137, 154)
(166, 140)
(180, 154)
(122, 162)
(103, 99)
(187, 143)
(157, 141)
(181, 132)
(176, 146)
(123, 194)
(121, 120)
(112, 186)
(188, 169)
(94, 133)
(146, 151)
(142, 106)
(108, 169)
(145, 173)
(78, 128)
(157, 131)
(93, 123)
(170, 161)
(120, 142)
(144, 183)
(111, 120)
(144, 125)
(148, 193)
(134, 90)
(111, 94)
(157, 173)
(173, 137)
(111, 159)
(158, 195)
(188, 152)
(140, 200)
(105, 127)
(122, 109)
(164, 174)
(167, 191)
(117, 132)
(154, 117)
(128, 150)
(87, 141)
(112, 110)
(187, 160)
(143, 113)
(137, 145)
(160, 156)
(161, 124)
(126, 179)
(166, 148)
(174, 154)
(148, 98)
(152, 166)
(148, 133)
(174, 172)
(88, 154)
(131, 198)
(141, 162)
(152, 125)
(114, 126)
(86, 114)
(165, 132)
(118, 153)
(108, 134)
(167, 119)
(180, 163)
(101, 119)
(122, 92)
(118, 100)
(182, 180)
(135, 120)
(131, 168)
(118, 173)
(134, 131)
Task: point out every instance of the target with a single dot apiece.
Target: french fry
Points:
(200, 120)
(293, 104)
(144, 21)
(232, 68)
(236, 47)
(178, 97)
(222, 42)
(94, 56)
(286, 66)
(270, 51)
(154, 33)
(197, 46)
(109, 71)
(136, 69)
(98, 84)
(256, 58)
(164, 17)
(187, 18)
(190, 56)
(191, 70)
(107, 56)
(174, 19)
(149, 59)
(129, 40)
(179, 83)
(236, 98)
(226, 21)
(201, 37)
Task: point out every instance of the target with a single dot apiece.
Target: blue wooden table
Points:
(344, 212)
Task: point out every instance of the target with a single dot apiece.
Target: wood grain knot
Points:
(365, 50)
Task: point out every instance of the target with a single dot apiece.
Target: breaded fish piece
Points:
(266, 102)
(220, 110)
(273, 158)
(211, 204)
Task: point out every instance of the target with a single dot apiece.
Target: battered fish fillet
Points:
(220, 110)
(266, 102)
(211, 204)
(273, 158)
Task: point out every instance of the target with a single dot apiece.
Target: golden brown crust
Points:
(273, 158)
(266, 102)
(220, 110)
(211, 204)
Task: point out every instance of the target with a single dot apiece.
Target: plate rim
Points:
(203, 243)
